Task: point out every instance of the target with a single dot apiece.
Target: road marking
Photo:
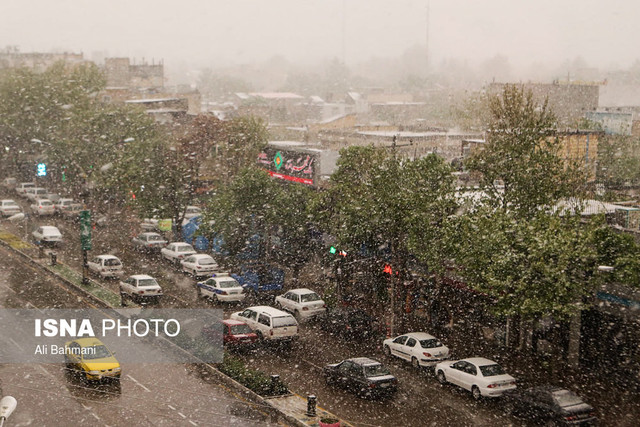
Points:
(171, 407)
(88, 408)
(138, 382)
(192, 423)
(95, 416)
(182, 415)
(7, 287)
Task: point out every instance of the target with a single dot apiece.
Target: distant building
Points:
(11, 57)
(121, 73)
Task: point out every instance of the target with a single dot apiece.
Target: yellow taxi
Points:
(91, 358)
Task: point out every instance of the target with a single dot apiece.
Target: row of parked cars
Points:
(43, 202)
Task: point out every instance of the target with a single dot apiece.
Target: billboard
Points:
(290, 165)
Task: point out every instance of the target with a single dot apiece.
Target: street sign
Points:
(85, 230)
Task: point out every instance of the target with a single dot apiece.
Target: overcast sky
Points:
(216, 32)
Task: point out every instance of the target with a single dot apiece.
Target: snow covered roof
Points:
(316, 99)
(585, 207)
(144, 101)
(276, 95)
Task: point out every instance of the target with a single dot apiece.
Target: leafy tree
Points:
(520, 166)
(619, 160)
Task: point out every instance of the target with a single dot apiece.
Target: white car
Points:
(303, 303)
(419, 348)
(177, 251)
(64, 204)
(269, 323)
(34, 193)
(482, 377)
(149, 241)
(43, 207)
(22, 187)
(9, 183)
(140, 288)
(47, 234)
(199, 265)
(9, 207)
(106, 266)
(222, 287)
(192, 211)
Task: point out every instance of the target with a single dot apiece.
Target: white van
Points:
(269, 323)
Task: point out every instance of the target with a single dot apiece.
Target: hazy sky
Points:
(214, 32)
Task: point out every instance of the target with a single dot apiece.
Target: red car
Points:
(234, 333)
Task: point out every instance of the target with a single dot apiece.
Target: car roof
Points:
(233, 322)
(141, 276)
(268, 310)
(180, 243)
(301, 291)
(7, 200)
(107, 256)
(420, 335)
(364, 361)
(86, 342)
(200, 256)
(148, 233)
(49, 228)
(480, 361)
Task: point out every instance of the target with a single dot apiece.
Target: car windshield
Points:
(279, 322)
(206, 261)
(154, 237)
(147, 282)
(240, 329)
(491, 370)
(111, 262)
(96, 352)
(566, 398)
(10, 203)
(309, 297)
(375, 371)
(228, 284)
(45, 202)
(430, 343)
(185, 249)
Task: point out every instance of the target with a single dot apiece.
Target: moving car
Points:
(361, 375)
(22, 187)
(482, 377)
(91, 358)
(199, 265)
(47, 234)
(550, 405)
(222, 287)
(149, 241)
(64, 204)
(140, 288)
(106, 266)
(176, 251)
(9, 207)
(303, 303)
(42, 207)
(34, 193)
(349, 323)
(269, 323)
(419, 348)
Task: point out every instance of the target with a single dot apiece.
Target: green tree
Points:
(619, 160)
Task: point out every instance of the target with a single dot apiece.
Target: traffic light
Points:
(333, 250)
(387, 269)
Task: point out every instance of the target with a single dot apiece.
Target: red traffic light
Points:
(387, 269)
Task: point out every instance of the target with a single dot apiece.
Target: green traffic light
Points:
(332, 250)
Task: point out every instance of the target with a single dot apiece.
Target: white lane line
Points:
(192, 423)
(171, 407)
(95, 416)
(16, 344)
(182, 415)
(6, 287)
(88, 408)
(138, 382)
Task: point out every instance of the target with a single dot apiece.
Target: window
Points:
(345, 367)
(431, 343)
(111, 262)
(264, 320)
(282, 321)
(492, 370)
(206, 261)
(310, 297)
(189, 259)
(375, 371)
(411, 342)
(400, 340)
(294, 298)
(252, 315)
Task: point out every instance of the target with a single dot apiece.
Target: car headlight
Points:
(118, 369)
(94, 372)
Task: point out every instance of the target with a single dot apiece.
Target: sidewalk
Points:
(295, 406)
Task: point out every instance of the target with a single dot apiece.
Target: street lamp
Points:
(7, 405)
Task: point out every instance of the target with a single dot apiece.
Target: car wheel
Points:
(387, 351)
(441, 377)
(415, 363)
(199, 292)
(260, 336)
(296, 314)
(475, 392)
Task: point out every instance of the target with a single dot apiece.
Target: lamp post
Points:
(7, 405)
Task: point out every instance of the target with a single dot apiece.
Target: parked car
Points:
(42, 207)
(480, 376)
(269, 323)
(261, 279)
(54, 197)
(64, 204)
(361, 375)
(192, 211)
(141, 289)
(235, 334)
(149, 241)
(92, 359)
(9, 183)
(177, 251)
(221, 287)
(22, 187)
(106, 266)
(350, 323)
(550, 405)
(199, 265)
(72, 212)
(9, 207)
(34, 193)
(47, 234)
(419, 348)
(303, 303)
